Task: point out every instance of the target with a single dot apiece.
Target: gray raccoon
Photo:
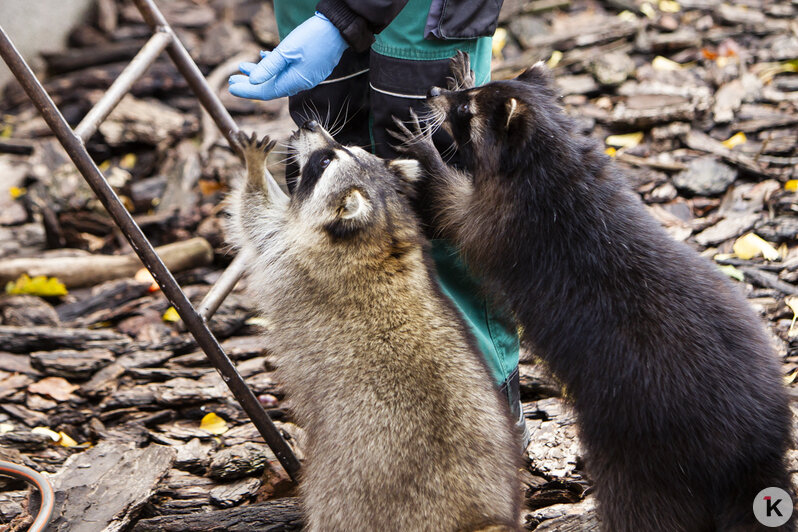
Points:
(678, 395)
(405, 430)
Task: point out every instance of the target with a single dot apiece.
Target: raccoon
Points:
(405, 429)
(678, 395)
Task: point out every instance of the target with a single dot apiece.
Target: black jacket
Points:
(359, 20)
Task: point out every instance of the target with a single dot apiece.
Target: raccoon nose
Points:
(433, 92)
(310, 125)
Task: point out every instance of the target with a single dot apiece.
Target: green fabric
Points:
(497, 338)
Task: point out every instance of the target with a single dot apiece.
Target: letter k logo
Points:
(772, 507)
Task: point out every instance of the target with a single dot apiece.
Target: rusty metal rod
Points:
(121, 86)
(223, 286)
(194, 323)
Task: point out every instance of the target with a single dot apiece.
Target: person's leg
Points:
(404, 66)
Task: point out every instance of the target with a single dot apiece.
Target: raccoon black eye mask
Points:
(678, 395)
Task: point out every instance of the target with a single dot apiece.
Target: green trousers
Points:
(388, 80)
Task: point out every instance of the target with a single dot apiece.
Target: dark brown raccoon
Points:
(678, 393)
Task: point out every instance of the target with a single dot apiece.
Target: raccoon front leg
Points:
(462, 76)
(254, 207)
(254, 152)
(449, 189)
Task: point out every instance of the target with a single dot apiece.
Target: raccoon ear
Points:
(354, 206)
(408, 170)
(409, 173)
(512, 111)
(537, 73)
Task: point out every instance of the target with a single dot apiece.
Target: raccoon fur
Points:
(678, 394)
(405, 429)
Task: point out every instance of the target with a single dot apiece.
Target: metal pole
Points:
(147, 56)
(194, 323)
(223, 286)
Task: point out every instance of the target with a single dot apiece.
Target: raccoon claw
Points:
(249, 147)
(411, 137)
(462, 76)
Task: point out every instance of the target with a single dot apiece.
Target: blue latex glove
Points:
(301, 61)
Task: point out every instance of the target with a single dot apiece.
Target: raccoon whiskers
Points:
(335, 128)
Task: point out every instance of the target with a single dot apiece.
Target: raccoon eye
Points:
(463, 108)
(324, 163)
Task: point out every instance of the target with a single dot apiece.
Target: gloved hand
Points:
(301, 61)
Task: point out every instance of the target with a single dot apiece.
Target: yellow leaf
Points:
(47, 432)
(37, 286)
(669, 6)
(105, 165)
(791, 185)
(629, 140)
(171, 315)
(648, 10)
(499, 42)
(554, 60)
(213, 424)
(735, 140)
(16, 192)
(663, 63)
(7, 131)
(792, 302)
(65, 441)
(611, 151)
(732, 272)
(627, 16)
(750, 246)
(128, 161)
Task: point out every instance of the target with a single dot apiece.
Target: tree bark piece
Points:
(27, 339)
(281, 515)
(92, 269)
(105, 487)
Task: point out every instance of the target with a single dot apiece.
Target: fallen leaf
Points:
(213, 424)
(611, 151)
(209, 186)
(669, 6)
(791, 185)
(648, 10)
(499, 42)
(751, 245)
(171, 315)
(128, 161)
(629, 140)
(792, 302)
(36, 286)
(663, 63)
(709, 54)
(56, 388)
(627, 16)
(144, 276)
(735, 140)
(732, 272)
(554, 60)
(65, 441)
(53, 435)
(17, 192)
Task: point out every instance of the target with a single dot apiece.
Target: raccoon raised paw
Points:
(415, 140)
(253, 150)
(462, 77)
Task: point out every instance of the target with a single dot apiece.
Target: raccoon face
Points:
(500, 121)
(345, 190)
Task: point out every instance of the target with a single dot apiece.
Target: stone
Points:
(705, 176)
(612, 69)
